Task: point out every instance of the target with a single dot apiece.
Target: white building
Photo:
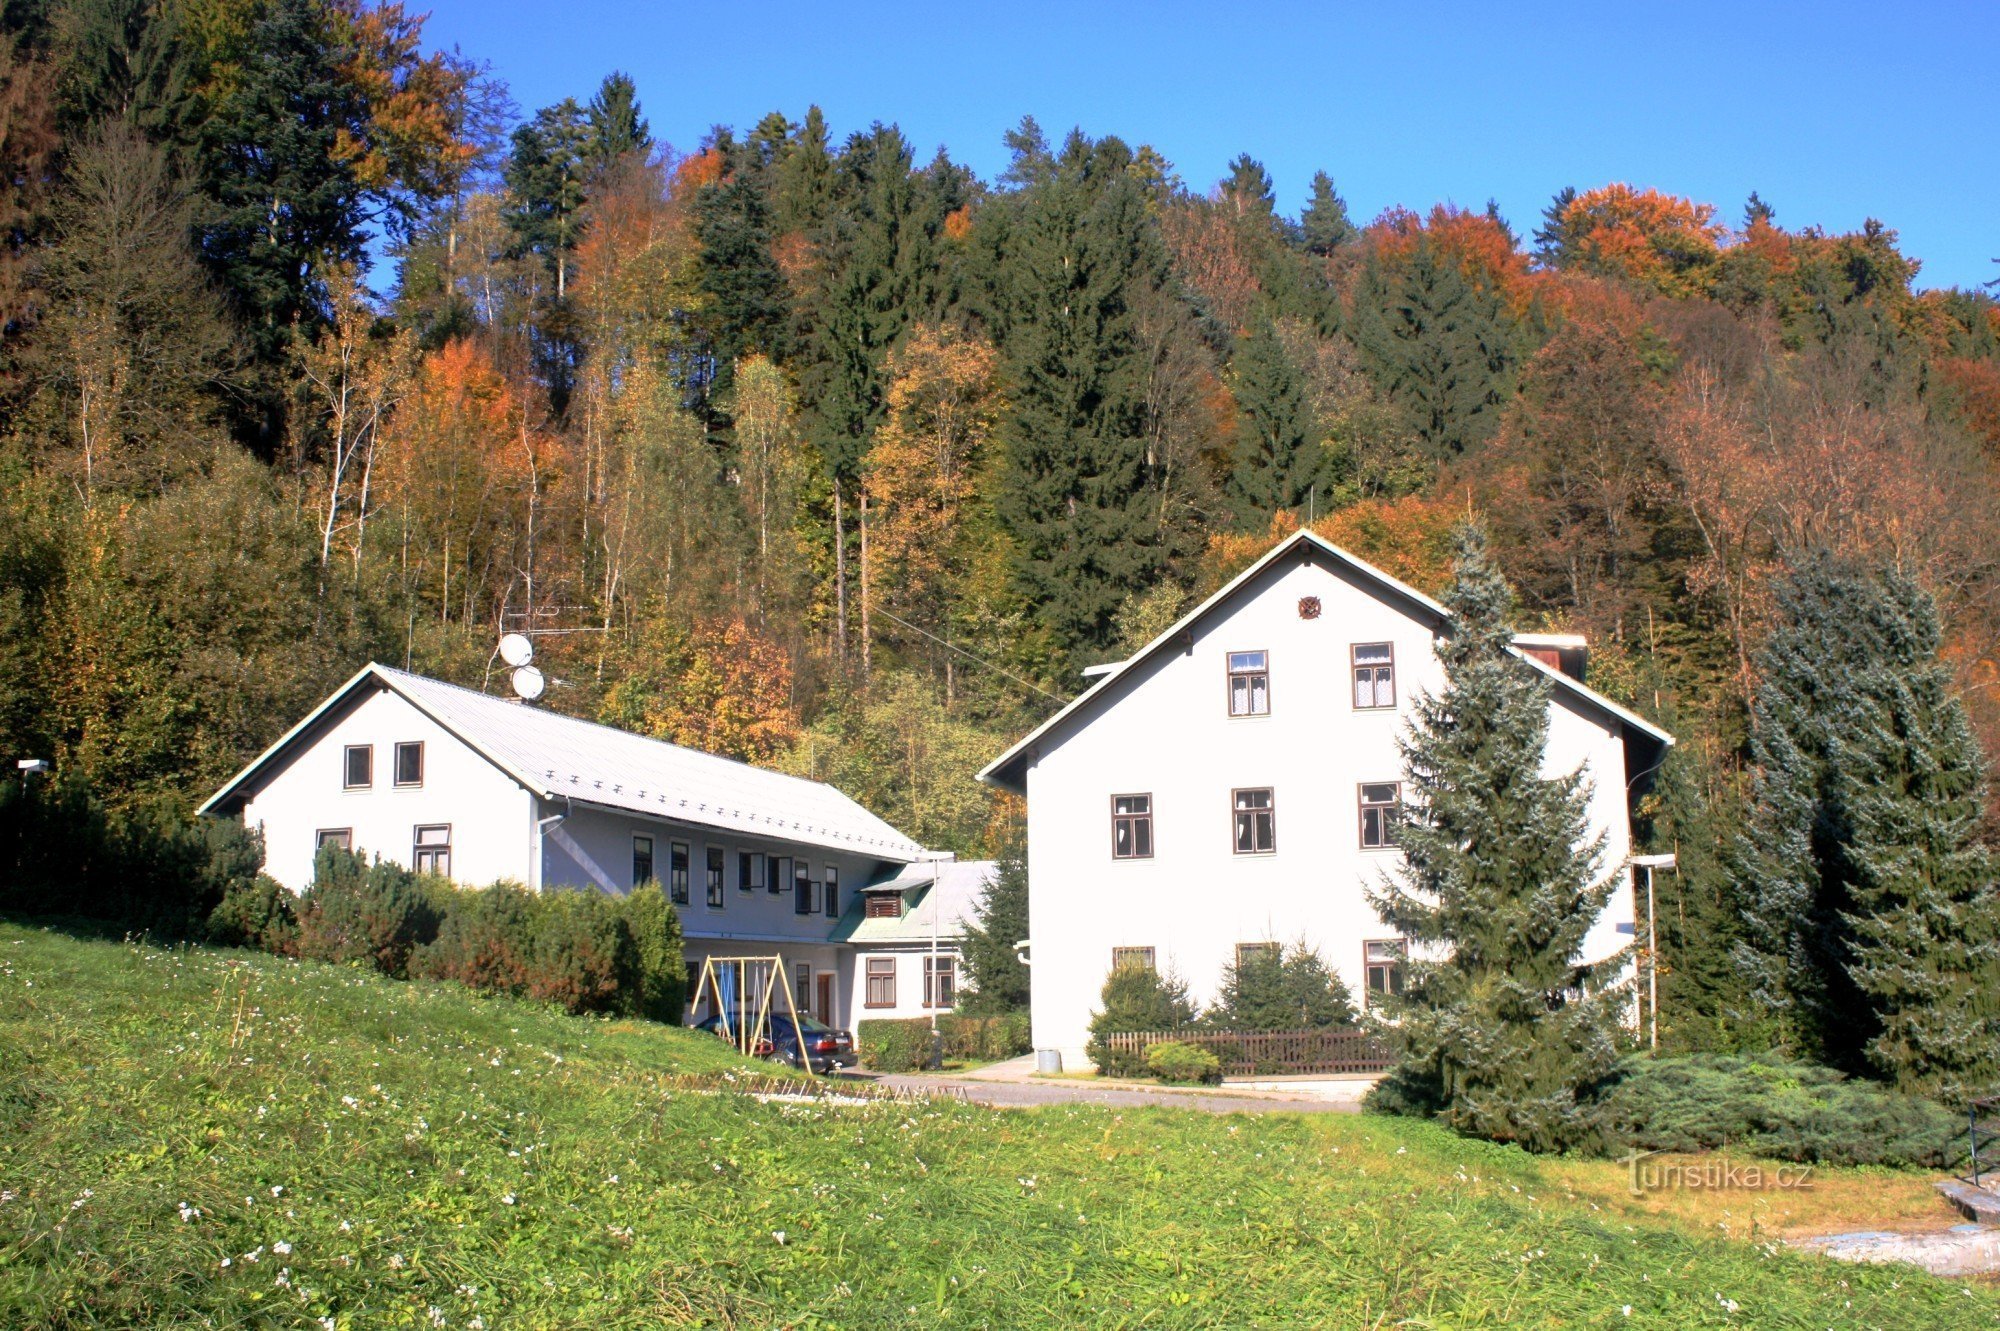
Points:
(478, 789)
(1232, 785)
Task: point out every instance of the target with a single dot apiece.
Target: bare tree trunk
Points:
(839, 574)
(865, 642)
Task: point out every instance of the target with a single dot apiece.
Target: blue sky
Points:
(1834, 112)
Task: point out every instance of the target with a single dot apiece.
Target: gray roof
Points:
(558, 756)
(941, 892)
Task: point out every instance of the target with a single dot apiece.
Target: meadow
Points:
(217, 1138)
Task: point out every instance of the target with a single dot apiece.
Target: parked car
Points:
(809, 1045)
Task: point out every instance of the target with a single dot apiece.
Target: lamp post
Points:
(1649, 863)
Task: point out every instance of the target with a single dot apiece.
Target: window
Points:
(715, 863)
(749, 870)
(1249, 684)
(334, 836)
(432, 851)
(358, 773)
(1249, 954)
(1382, 960)
(677, 872)
(1131, 827)
(832, 890)
(775, 874)
(1379, 801)
(884, 906)
(802, 985)
(410, 763)
(1374, 675)
(881, 982)
(804, 900)
(642, 860)
(940, 981)
(1256, 828)
(1137, 958)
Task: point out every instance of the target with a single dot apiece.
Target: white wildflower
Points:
(282, 1248)
(779, 1235)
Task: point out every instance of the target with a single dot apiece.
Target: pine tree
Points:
(1324, 225)
(1278, 456)
(545, 175)
(1436, 346)
(616, 126)
(1247, 189)
(1265, 990)
(1500, 1025)
(1137, 998)
(998, 979)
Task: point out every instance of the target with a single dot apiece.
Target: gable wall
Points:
(491, 816)
(1166, 731)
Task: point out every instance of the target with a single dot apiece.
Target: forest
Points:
(802, 445)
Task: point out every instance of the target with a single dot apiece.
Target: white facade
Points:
(1161, 726)
(508, 792)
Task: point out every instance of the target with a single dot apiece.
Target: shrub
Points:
(1136, 998)
(356, 911)
(1183, 1064)
(896, 1045)
(582, 954)
(661, 971)
(1294, 991)
(1773, 1108)
(485, 940)
(256, 912)
(976, 1037)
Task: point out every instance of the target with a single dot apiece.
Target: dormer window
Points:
(1249, 684)
(885, 906)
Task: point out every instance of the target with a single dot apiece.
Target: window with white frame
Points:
(642, 860)
(1374, 675)
(431, 851)
(716, 860)
(677, 872)
(410, 763)
(1380, 808)
(881, 991)
(940, 982)
(1256, 821)
(357, 767)
(1382, 965)
(1131, 827)
(1249, 683)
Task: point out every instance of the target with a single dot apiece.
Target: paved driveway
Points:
(1026, 1094)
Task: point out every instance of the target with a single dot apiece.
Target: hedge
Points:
(895, 1044)
(904, 1044)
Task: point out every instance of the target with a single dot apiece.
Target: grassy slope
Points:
(432, 1158)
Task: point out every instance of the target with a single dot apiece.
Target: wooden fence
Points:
(1270, 1053)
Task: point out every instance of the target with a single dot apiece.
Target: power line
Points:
(953, 647)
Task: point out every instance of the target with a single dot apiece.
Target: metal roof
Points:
(944, 892)
(998, 772)
(558, 756)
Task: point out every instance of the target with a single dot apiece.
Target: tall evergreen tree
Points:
(1556, 237)
(1278, 456)
(1247, 188)
(747, 305)
(1501, 1026)
(546, 174)
(616, 126)
(1436, 343)
(1078, 246)
(999, 980)
(1324, 225)
(1875, 929)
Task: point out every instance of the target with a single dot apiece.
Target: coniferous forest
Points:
(806, 445)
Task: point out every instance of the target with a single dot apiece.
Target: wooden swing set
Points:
(743, 992)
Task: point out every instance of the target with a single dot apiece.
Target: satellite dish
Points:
(528, 683)
(516, 650)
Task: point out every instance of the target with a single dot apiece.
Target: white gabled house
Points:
(478, 788)
(1232, 785)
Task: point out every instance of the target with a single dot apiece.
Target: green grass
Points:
(430, 1157)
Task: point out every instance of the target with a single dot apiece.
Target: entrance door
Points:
(826, 997)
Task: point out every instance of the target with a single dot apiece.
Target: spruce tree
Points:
(1436, 344)
(999, 980)
(1278, 456)
(1324, 225)
(1501, 1025)
(615, 123)
(1266, 990)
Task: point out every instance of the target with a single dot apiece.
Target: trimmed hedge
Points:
(360, 912)
(902, 1044)
(984, 1038)
(483, 942)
